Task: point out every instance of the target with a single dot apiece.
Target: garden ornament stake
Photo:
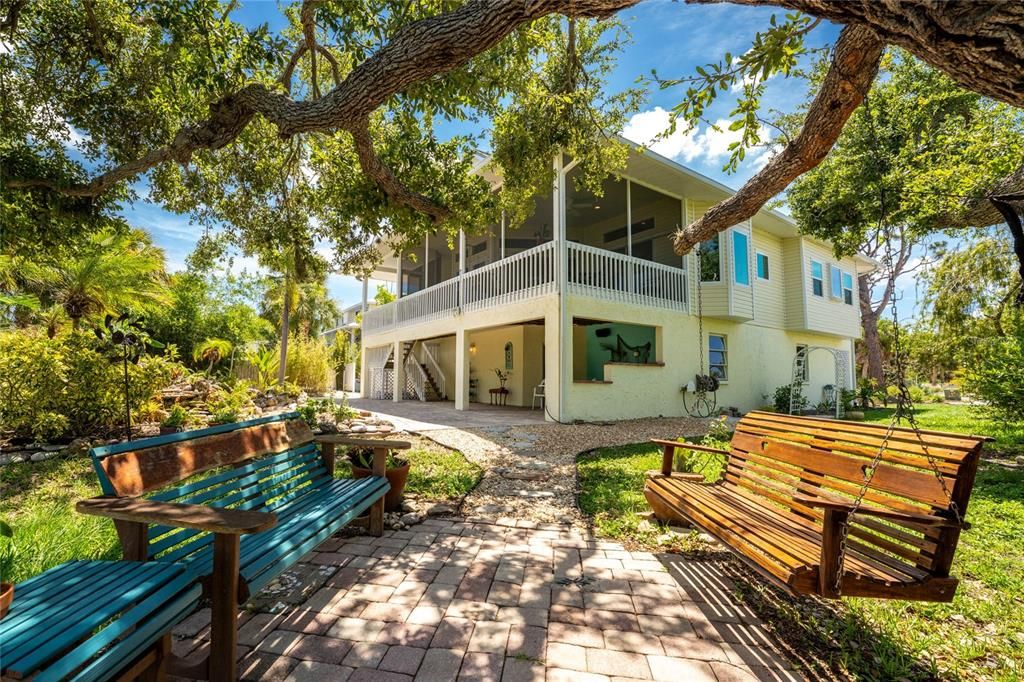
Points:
(126, 332)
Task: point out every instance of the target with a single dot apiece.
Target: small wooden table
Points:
(498, 396)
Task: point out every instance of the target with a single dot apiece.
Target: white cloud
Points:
(708, 144)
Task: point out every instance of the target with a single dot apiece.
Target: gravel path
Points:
(530, 470)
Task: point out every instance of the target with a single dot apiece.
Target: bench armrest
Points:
(349, 441)
(197, 516)
(931, 520)
(669, 449)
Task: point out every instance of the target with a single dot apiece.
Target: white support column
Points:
(366, 287)
(564, 324)
(398, 280)
(399, 373)
(426, 261)
(629, 218)
(462, 252)
(461, 369)
(502, 234)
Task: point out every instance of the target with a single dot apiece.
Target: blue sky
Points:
(671, 37)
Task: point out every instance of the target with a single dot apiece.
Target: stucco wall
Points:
(760, 359)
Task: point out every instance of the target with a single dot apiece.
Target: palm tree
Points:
(113, 272)
(212, 351)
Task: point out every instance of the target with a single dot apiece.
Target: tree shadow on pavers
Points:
(781, 637)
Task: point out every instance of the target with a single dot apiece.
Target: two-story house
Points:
(588, 298)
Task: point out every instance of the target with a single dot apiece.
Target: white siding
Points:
(824, 313)
(769, 295)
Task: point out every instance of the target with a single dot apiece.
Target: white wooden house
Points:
(589, 298)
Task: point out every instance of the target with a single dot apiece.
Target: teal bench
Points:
(236, 505)
(95, 620)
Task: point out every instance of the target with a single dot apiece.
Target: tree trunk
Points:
(874, 367)
(285, 321)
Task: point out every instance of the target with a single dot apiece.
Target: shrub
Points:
(996, 375)
(308, 362)
(49, 426)
(176, 417)
(916, 394)
(68, 385)
(782, 398)
(229, 405)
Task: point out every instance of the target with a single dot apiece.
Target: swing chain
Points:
(904, 411)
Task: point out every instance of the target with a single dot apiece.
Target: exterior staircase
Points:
(431, 388)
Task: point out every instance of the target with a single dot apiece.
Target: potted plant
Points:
(6, 589)
(175, 420)
(396, 470)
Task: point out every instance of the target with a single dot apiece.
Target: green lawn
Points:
(38, 500)
(979, 636)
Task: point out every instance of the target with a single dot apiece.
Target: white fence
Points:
(531, 273)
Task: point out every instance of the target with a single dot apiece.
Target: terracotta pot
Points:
(6, 597)
(396, 477)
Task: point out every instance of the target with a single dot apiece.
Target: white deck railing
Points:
(617, 277)
(525, 275)
(589, 271)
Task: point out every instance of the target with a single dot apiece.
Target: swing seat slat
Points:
(787, 489)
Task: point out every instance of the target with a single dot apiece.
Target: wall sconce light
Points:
(472, 349)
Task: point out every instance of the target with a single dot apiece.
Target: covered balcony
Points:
(614, 246)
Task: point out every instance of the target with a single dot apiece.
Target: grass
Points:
(436, 473)
(38, 500)
(979, 636)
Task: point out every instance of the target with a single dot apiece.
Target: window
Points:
(718, 357)
(835, 276)
(802, 365)
(817, 279)
(741, 256)
(847, 288)
(762, 266)
(710, 258)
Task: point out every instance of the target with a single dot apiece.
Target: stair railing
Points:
(415, 378)
(435, 368)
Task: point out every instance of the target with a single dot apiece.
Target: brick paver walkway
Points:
(451, 600)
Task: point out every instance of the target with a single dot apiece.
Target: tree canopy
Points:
(141, 86)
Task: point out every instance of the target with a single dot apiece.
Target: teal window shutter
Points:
(741, 256)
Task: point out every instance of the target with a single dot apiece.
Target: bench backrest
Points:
(776, 456)
(257, 464)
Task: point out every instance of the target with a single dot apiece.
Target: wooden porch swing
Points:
(789, 504)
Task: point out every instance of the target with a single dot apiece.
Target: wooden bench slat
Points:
(256, 468)
(842, 428)
(138, 594)
(804, 540)
(838, 441)
(146, 469)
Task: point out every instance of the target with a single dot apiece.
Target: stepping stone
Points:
(533, 464)
(535, 494)
(524, 475)
(495, 509)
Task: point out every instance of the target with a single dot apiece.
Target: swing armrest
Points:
(835, 504)
(670, 447)
(689, 446)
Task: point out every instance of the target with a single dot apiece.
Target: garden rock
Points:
(440, 509)
(410, 519)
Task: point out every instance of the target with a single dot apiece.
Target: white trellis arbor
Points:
(840, 360)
